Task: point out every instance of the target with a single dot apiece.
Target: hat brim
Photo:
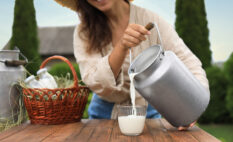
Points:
(72, 4)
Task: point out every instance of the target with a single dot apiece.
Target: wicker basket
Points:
(68, 105)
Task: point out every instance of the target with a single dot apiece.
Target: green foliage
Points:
(216, 111)
(61, 69)
(229, 100)
(24, 34)
(85, 114)
(228, 70)
(192, 26)
(222, 132)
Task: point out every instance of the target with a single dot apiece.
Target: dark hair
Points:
(94, 28)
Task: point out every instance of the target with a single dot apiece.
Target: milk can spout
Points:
(151, 58)
(133, 70)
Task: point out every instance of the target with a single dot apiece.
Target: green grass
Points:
(224, 132)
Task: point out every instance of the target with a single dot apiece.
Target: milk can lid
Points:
(145, 59)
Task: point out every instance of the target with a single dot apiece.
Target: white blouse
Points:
(98, 76)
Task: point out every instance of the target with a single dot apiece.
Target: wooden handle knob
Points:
(150, 26)
(15, 63)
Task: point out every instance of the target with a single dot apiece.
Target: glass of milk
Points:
(131, 119)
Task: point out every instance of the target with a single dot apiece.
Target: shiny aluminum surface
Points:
(166, 83)
(9, 94)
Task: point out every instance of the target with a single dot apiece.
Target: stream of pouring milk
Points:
(132, 88)
(132, 92)
(131, 124)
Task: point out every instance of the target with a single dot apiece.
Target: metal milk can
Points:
(166, 83)
(10, 73)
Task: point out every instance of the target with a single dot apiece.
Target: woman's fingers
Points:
(131, 39)
(128, 44)
(134, 35)
(140, 29)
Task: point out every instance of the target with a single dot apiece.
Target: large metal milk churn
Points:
(11, 71)
(166, 83)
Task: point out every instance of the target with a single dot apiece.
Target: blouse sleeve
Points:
(96, 72)
(171, 41)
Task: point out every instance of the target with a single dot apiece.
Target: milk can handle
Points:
(150, 26)
(24, 57)
(16, 63)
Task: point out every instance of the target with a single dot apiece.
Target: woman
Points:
(101, 47)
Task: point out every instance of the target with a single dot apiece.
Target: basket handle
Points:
(65, 60)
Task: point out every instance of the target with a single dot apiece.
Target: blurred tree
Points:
(216, 111)
(24, 34)
(192, 26)
(228, 70)
(229, 100)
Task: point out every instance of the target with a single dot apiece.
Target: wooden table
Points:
(155, 130)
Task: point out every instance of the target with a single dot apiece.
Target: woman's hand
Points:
(133, 36)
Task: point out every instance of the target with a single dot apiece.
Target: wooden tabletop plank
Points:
(83, 136)
(87, 130)
(158, 131)
(178, 136)
(12, 131)
(199, 134)
(146, 136)
(155, 130)
(84, 131)
(64, 133)
(101, 123)
(24, 131)
(34, 133)
(103, 131)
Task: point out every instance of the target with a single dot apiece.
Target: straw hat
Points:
(72, 4)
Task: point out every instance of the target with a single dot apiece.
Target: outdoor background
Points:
(218, 34)
(49, 13)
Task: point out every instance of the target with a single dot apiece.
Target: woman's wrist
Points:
(123, 48)
(117, 58)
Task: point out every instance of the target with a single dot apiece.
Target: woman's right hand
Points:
(133, 36)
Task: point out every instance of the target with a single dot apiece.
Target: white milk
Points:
(131, 124)
(132, 88)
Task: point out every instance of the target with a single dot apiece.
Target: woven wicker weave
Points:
(56, 106)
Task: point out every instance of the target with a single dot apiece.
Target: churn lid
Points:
(145, 59)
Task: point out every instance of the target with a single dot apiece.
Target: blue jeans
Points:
(100, 109)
